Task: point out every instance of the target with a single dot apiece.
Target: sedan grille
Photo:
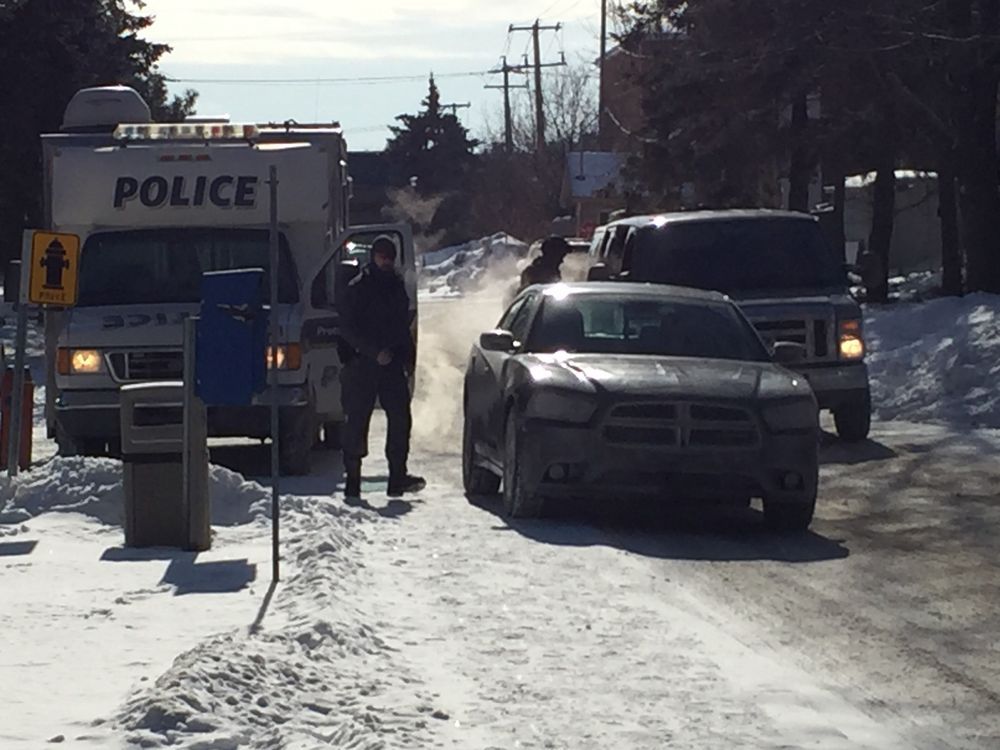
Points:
(681, 425)
(147, 365)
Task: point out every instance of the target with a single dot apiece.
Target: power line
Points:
(312, 81)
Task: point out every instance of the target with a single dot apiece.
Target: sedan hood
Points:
(638, 375)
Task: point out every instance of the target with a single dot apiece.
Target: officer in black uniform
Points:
(375, 327)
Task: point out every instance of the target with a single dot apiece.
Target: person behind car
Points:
(545, 269)
(375, 326)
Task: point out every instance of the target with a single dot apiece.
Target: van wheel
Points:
(854, 419)
(297, 429)
(71, 445)
(332, 435)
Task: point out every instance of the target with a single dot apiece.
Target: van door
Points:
(344, 257)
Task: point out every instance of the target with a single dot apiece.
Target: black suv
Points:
(781, 271)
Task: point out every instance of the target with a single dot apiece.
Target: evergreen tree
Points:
(49, 49)
(431, 146)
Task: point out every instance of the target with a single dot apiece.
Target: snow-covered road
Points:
(431, 622)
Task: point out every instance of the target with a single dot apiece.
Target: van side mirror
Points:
(497, 341)
(599, 272)
(789, 353)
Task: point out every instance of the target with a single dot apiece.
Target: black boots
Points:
(400, 484)
(352, 482)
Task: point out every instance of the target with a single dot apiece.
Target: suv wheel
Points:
(70, 445)
(785, 516)
(854, 419)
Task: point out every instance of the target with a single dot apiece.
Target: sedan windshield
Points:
(602, 324)
(165, 265)
(735, 256)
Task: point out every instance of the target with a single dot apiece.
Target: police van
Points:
(156, 205)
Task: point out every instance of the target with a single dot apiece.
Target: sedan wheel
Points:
(475, 479)
(518, 500)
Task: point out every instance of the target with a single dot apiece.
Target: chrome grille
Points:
(681, 425)
(813, 333)
(158, 364)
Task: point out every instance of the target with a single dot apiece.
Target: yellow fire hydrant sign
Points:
(55, 269)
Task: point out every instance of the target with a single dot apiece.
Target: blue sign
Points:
(230, 359)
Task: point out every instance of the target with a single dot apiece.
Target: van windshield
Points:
(165, 265)
(737, 256)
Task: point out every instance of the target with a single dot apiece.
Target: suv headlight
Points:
(558, 406)
(851, 342)
(791, 416)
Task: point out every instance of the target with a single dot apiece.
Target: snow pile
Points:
(473, 265)
(937, 361)
(313, 670)
(94, 487)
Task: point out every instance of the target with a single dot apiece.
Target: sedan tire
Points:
(476, 480)
(519, 500)
(786, 516)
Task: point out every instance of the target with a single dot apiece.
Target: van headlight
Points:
(561, 406)
(791, 416)
(79, 362)
(285, 357)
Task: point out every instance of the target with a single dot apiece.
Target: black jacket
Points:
(375, 315)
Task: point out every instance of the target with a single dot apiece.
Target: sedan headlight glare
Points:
(791, 416)
(558, 406)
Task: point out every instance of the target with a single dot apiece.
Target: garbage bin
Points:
(163, 507)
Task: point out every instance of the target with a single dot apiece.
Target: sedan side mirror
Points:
(789, 353)
(598, 272)
(497, 341)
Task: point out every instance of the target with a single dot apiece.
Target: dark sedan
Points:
(608, 390)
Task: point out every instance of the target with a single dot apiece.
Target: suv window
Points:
(736, 255)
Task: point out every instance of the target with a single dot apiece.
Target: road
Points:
(647, 627)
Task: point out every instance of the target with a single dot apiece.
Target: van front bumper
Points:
(94, 414)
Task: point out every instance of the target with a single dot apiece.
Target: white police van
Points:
(157, 205)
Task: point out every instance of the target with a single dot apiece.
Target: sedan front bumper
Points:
(559, 460)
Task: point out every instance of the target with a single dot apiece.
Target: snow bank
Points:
(93, 487)
(937, 360)
(312, 672)
(471, 266)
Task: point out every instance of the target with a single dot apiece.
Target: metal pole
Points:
(601, 103)
(188, 379)
(272, 373)
(17, 397)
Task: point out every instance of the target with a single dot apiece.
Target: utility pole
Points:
(508, 122)
(455, 107)
(536, 28)
(601, 104)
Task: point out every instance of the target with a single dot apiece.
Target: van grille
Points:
(681, 425)
(163, 364)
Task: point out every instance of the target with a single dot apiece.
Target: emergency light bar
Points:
(187, 131)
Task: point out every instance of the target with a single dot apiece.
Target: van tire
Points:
(70, 445)
(297, 429)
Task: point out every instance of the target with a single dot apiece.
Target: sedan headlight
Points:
(558, 406)
(791, 416)
(79, 362)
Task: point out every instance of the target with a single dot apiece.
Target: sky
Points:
(298, 47)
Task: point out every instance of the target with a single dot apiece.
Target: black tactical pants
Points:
(362, 382)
